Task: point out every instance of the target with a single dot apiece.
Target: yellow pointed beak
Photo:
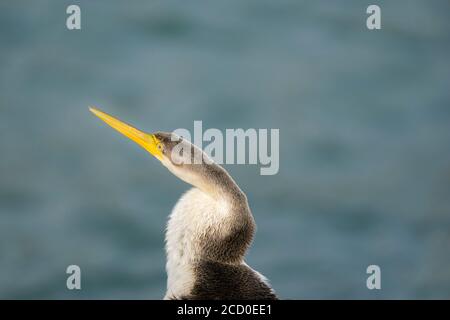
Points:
(147, 141)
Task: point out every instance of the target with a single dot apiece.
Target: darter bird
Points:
(210, 228)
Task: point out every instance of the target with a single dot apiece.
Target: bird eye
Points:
(159, 146)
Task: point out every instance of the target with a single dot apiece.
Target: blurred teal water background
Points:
(364, 121)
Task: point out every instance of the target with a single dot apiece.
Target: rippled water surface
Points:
(364, 121)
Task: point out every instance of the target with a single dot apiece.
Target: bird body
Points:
(195, 218)
(199, 262)
(210, 228)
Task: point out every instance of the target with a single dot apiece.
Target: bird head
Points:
(182, 158)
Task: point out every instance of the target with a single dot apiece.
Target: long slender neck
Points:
(231, 214)
(215, 181)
